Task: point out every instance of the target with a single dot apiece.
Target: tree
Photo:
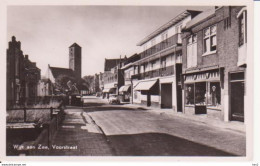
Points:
(65, 84)
(89, 82)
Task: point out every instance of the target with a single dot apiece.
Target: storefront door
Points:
(166, 95)
(237, 101)
(148, 99)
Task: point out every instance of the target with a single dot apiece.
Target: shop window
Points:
(189, 94)
(203, 93)
(214, 95)
(200, 93)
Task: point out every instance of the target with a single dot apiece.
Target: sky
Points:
(46, 32)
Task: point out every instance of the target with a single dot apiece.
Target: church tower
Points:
(75, 59)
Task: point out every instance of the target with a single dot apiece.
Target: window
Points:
(17, 66)
(145, 46)
(163, 63)
(153, 42)
(192, 51)
(164, 36)
(153, 65)
(200, 93)
(210, 39)
(214, 97)
(164, 40)
(189, 94)
(203, 93)
(145, 67)
(242, 28)
(178, 28)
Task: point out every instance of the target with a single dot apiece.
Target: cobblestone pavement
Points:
(80, 133)
(134, 131)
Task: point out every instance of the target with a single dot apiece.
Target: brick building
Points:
(101, 81)
(71, 75)
(156, 76)
(214, 63)
(96, 83)
(113, 76)
(128, 68)
(22, 76)
(75, 59)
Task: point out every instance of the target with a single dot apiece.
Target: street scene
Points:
(167, 81)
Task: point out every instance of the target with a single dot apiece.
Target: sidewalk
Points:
(79, 136)
(234, 126)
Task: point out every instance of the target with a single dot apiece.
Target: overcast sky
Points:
(46, 32)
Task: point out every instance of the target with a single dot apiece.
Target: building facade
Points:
(101, 81)
(214, 63)
(68, 80)
(113, 77)
(45, 87)
(75, 59)
(125, 91)
(22, 76)
(156, 76)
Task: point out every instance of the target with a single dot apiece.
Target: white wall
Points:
(171, 31)
(138, 99)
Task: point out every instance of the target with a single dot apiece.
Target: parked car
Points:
(98, 94)
(113, 99)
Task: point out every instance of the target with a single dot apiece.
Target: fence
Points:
(30, 115)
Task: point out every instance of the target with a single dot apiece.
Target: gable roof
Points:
(74, 45)
(110, 63)
(200, 18)
(57, 71)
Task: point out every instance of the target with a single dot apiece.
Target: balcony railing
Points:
(171, 41)
(242, 55)
(166, 71)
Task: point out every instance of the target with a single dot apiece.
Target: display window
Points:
(203, 93)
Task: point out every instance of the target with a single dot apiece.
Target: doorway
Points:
(166, 95)
(237, 101)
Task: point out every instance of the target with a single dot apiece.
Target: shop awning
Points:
(124, 88)
(145, 85)
(108, 90)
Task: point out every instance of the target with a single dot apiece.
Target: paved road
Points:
(133, 131)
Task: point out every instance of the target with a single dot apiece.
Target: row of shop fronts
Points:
(209, 92)
(201, 72)
(202, 92)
